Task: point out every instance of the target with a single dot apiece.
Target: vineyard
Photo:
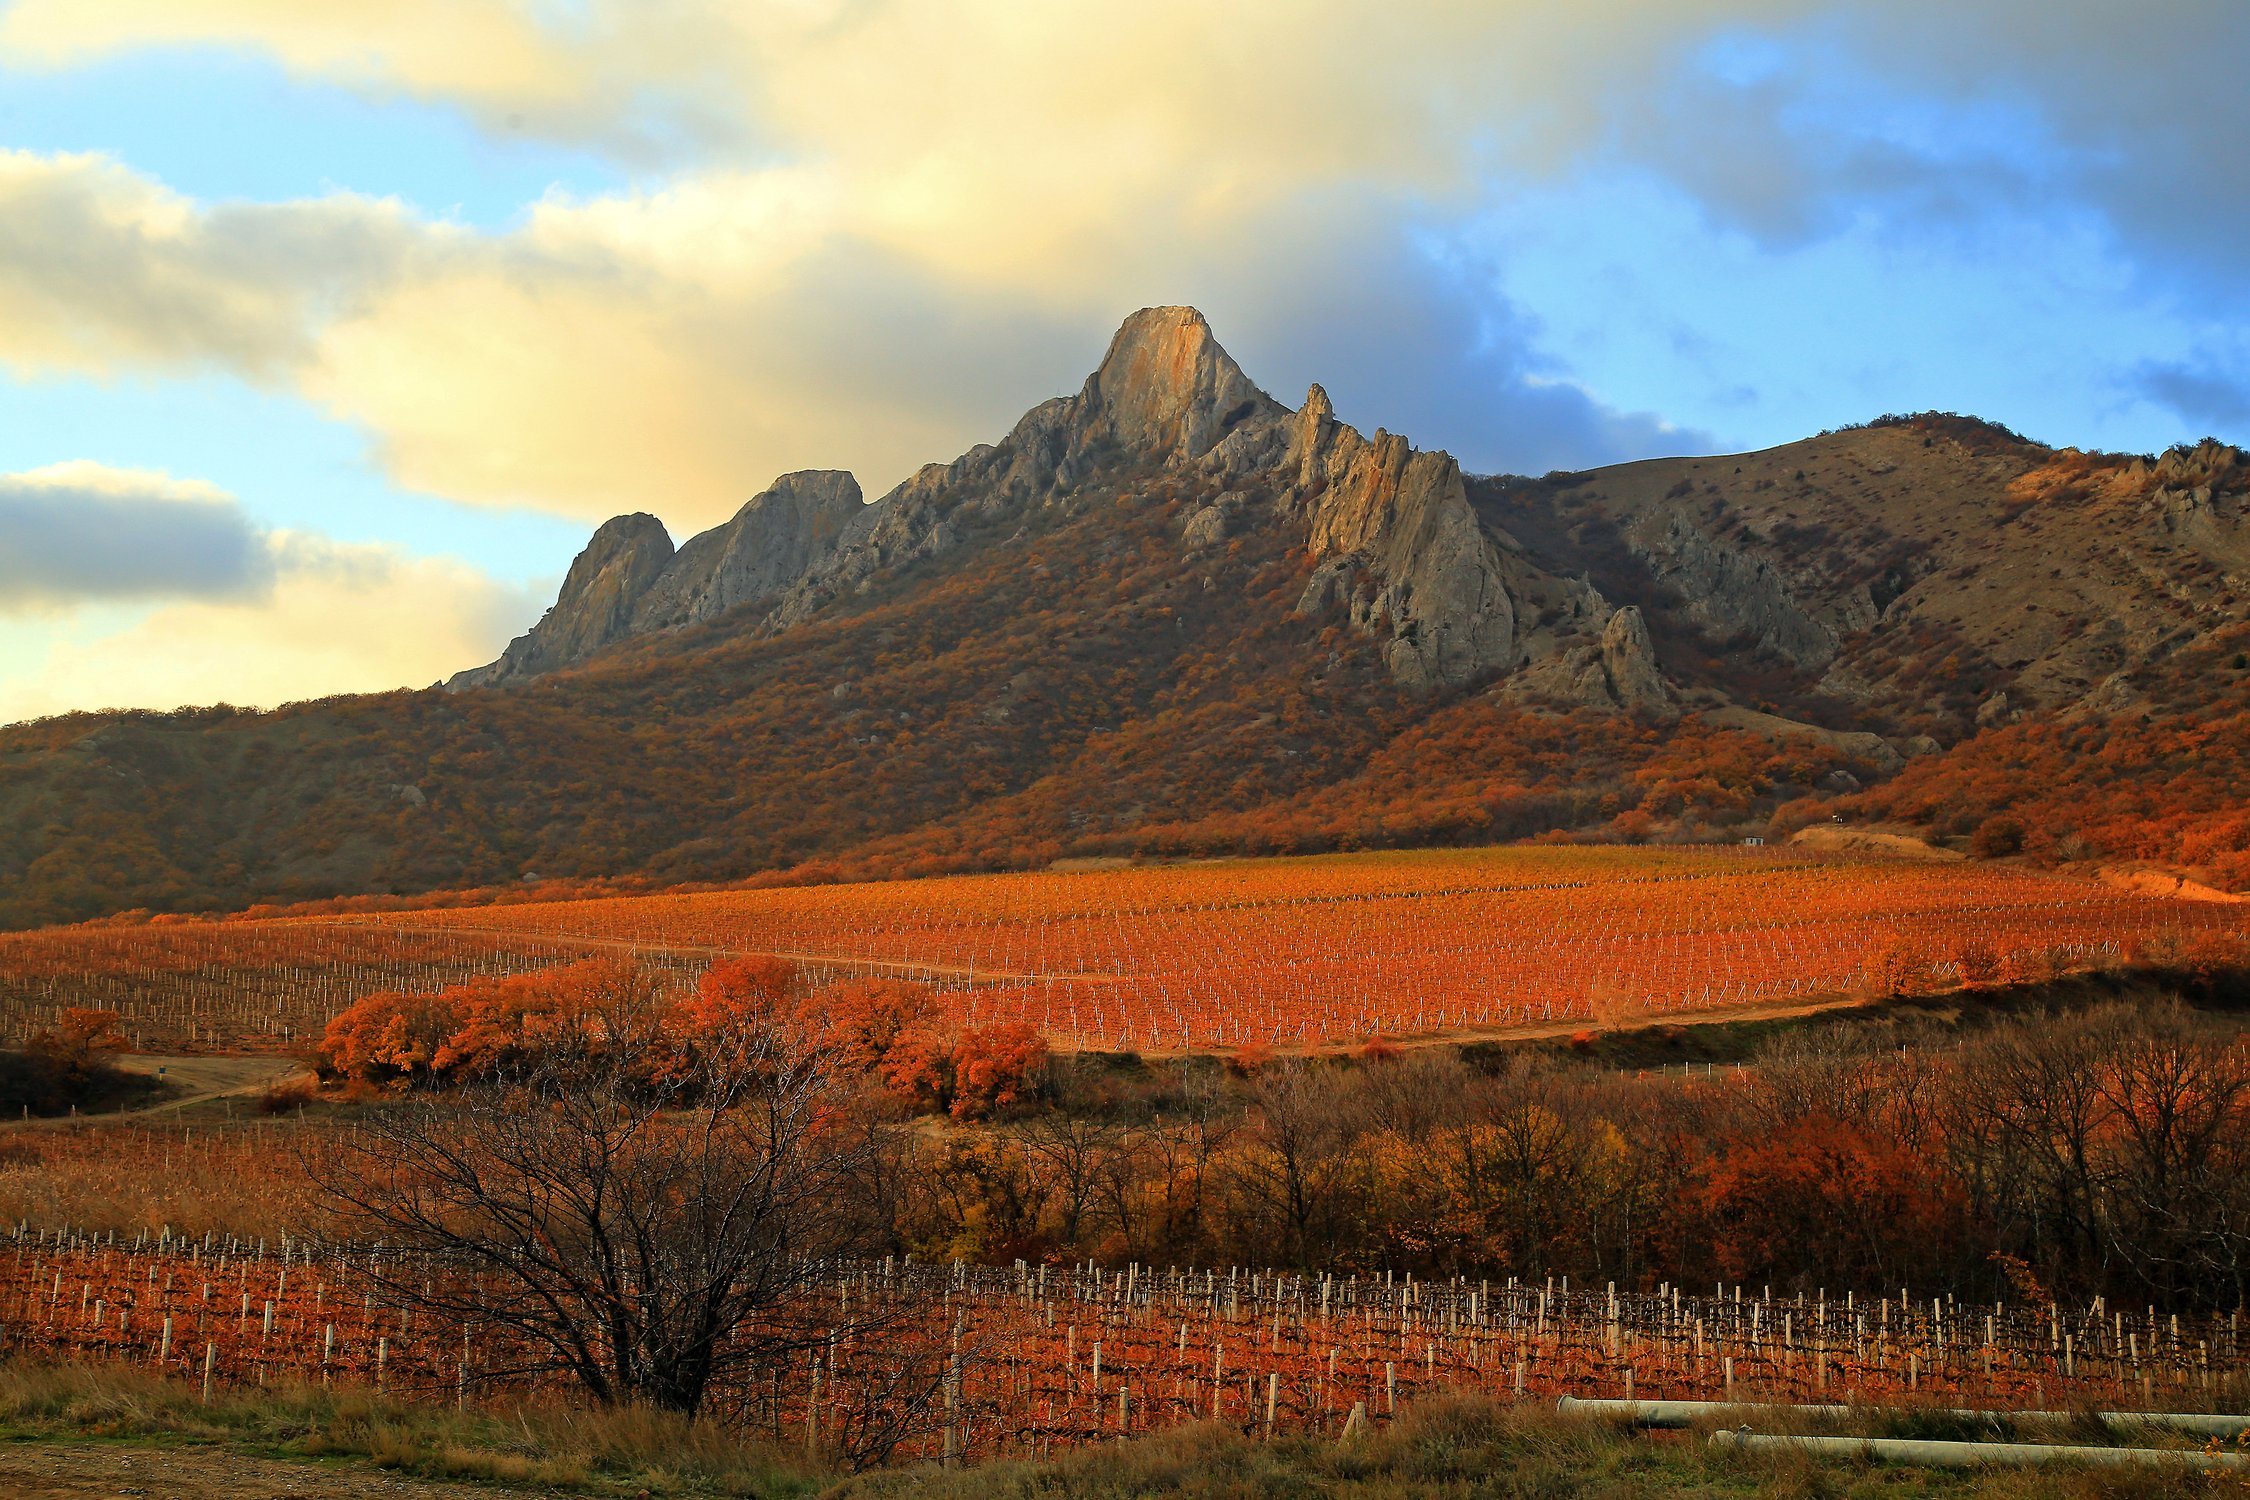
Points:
(1022, 1359)
(1288, 952)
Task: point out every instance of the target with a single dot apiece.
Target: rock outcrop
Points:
(778, 537)
(1396, 544)
(1615, 670)
(1628, 659)
(1165, 391)
(1400, 551)
(600, 594)
(630, 582)
(1732, 591)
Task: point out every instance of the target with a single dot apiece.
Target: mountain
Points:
(1391, 529)
(1169, 614)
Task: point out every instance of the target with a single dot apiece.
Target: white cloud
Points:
(102, 268)
(73, 532)
(124, 587)
(902, 221)
(337, 619)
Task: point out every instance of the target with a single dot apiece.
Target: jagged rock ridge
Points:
(1399, 548)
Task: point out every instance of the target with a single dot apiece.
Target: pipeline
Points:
(1964, 1455)
(1688, 1413)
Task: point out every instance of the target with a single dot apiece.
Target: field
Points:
(1035, 1358)
(1289, 953)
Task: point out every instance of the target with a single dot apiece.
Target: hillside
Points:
(1169, 614)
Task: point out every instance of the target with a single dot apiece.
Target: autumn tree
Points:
(1820, 1203)
(642, 1230)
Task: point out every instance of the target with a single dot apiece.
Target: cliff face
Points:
(777, 538)
(1400, 551)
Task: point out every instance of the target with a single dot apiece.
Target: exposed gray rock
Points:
(1732, 591)
(595, 608)
(1165, 392)
(1214, 523)
(1629, 663)
(778, 537)
(1399, 546)
(1206, 528)
(1615, 670)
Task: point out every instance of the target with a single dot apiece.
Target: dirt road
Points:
(82, 1471)
(200, 1080)
(1528, 1031)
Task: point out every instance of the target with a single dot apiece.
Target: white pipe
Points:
(1688, 1413)
(1963, 1455)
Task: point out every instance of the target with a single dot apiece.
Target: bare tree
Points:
(1299, 1176)
(636, 1210)
(1073, 1145)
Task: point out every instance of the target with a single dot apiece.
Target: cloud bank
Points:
(122, 587)
(76, 532)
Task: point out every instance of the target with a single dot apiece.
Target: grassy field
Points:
(71, 1421)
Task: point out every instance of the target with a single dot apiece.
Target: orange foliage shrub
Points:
(1979, 965)
(472, 1030)
(389, 1037)
(866, 1019)
(1820, 1196)
(737, 991)
(993, 1068)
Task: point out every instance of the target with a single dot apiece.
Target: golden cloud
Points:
(336, 618)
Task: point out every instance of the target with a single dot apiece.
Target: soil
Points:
(192, 1081)
(81, 1471)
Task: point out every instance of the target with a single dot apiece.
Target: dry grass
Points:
(1459, 1448)
(591, 1451)
(1470, 1448)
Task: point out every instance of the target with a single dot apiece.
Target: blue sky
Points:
(411, 296)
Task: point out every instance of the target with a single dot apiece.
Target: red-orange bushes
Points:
(866, 1020)
(388, 1037)
(1821, 1198)
(470, 1030)
(898, 1032)
(737, 991)
(993, 1068)
(892, 1030)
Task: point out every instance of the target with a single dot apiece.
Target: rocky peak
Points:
(1166, 387)
(1309, 439)
(1629, 664)
(2207, 462)
(605, 584)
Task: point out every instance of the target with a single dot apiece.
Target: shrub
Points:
(1997, 837)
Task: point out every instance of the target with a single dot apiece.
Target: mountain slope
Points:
(1167, 614)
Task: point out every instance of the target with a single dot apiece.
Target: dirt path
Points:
(82, 1471)
(201, 1080)
(905, 966)
(1531, 1031)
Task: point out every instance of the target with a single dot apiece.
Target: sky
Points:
(330, 329)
